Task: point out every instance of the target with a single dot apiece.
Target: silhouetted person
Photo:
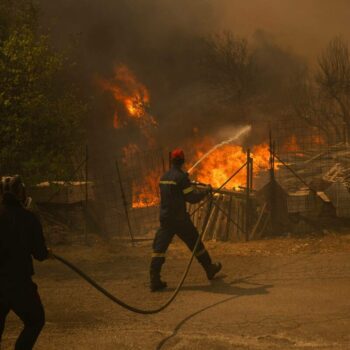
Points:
(21, 238)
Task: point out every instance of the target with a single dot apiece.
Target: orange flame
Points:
(224, 161)
(292, 145)
(146, 193)
(133, 98)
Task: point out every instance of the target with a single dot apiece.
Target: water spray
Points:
(240, 133)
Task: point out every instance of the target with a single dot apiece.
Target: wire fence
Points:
(126, 193)
(314, 171)
(117, 195)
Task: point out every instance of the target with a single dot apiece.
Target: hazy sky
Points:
(303, 25)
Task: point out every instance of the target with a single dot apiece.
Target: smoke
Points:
(305, 26)
(161, 41)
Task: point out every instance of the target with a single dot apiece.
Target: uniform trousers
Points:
(187, 232)
(23, 299)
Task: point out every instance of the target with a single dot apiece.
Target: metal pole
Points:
(124, 203)
(272, 204)
(247, 214)
(86, 191)
(272, 157)
(251, 173)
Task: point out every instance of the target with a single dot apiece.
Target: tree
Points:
(41, 113)
(333, 79)
(15, 14)
(311, 106)
(254, 76)
(229, 67)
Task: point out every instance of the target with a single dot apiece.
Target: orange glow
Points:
(224, 161)
(291, 145)
(318, 140)
(132, 97)
(214, 170)
(128, 151)
(116, 121)
(146, 193)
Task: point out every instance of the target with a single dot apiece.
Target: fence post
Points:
(346, 134)
(86, 191)
(124, 203)
(272, 205)
(247, 214)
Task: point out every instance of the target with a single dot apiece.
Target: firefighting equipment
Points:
(175, 190)
(212, 270)
(178, 288)
(177, 154)
(156, 283)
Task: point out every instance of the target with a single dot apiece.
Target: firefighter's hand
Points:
(50, 254)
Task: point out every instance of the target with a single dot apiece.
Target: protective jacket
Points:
(175, 191)
(21, 238)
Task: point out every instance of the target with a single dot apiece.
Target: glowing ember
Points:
(318, 140)
(116, 121)
(291, 145)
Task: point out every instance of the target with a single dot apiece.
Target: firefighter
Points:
(175, 191)
(21, 238)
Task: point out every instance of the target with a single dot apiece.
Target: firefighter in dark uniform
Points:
(175, 191)
(21, 238)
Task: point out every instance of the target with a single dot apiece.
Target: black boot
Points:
(212, 270)
(156, 284)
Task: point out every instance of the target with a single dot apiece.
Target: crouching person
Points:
(21, 239)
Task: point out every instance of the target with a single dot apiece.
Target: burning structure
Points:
(247, 205)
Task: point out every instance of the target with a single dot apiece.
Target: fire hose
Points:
(131, 308)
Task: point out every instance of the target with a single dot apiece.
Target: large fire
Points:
(132, 101)
(214, 170)
(217, 167)
(224, 161)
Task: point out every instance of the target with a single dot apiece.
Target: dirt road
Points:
(275, 294)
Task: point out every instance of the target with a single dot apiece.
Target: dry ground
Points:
(273, 294)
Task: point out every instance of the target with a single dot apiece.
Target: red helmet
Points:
(177, 154)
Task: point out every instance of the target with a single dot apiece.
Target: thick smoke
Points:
(162, 42)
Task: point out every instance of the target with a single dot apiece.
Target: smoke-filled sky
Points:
(156, 39)
(303, 25)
